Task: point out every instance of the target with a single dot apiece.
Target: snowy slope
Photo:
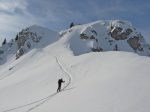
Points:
(112, 81)
(109, 82)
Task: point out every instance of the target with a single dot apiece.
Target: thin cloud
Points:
(14, 16)
(12, 5)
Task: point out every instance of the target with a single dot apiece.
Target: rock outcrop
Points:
(109, 35)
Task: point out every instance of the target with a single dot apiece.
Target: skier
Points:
(60, 81)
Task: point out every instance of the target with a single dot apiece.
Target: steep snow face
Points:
(106, 36)
(29, 38)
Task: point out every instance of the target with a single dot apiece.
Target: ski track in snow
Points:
(42, 101)
(69, 81)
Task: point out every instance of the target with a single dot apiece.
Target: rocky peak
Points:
(24, 40)
(32, 37)
(109, 35)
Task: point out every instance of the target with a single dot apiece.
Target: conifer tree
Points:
(4, 42)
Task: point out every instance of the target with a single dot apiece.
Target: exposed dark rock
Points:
(19, 53)
(96, 40)
(134, 42)
(110, 42)
(118, 34)
(123, 36)
(24, 35)
(140, 49)
(94, 32)
(96, 49)
(92, 37)
(84, 36)
(28, 44)
(128, 31)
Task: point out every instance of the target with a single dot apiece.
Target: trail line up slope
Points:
(43, 100)
(66, 72)
(69, 81)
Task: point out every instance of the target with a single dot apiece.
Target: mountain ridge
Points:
(98, 36)
(109, 35)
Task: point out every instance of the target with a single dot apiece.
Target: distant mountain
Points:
(27, 39)
(110, 35)
(99, 36)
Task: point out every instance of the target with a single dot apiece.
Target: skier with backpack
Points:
(60, 81)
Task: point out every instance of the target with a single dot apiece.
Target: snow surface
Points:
(113, 81)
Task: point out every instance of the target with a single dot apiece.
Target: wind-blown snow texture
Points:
(113, 81)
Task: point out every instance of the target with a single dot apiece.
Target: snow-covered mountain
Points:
(110, 35)
(113, 81)
(113, 35)
(26, 40)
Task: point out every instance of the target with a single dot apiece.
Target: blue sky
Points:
(58, 14)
